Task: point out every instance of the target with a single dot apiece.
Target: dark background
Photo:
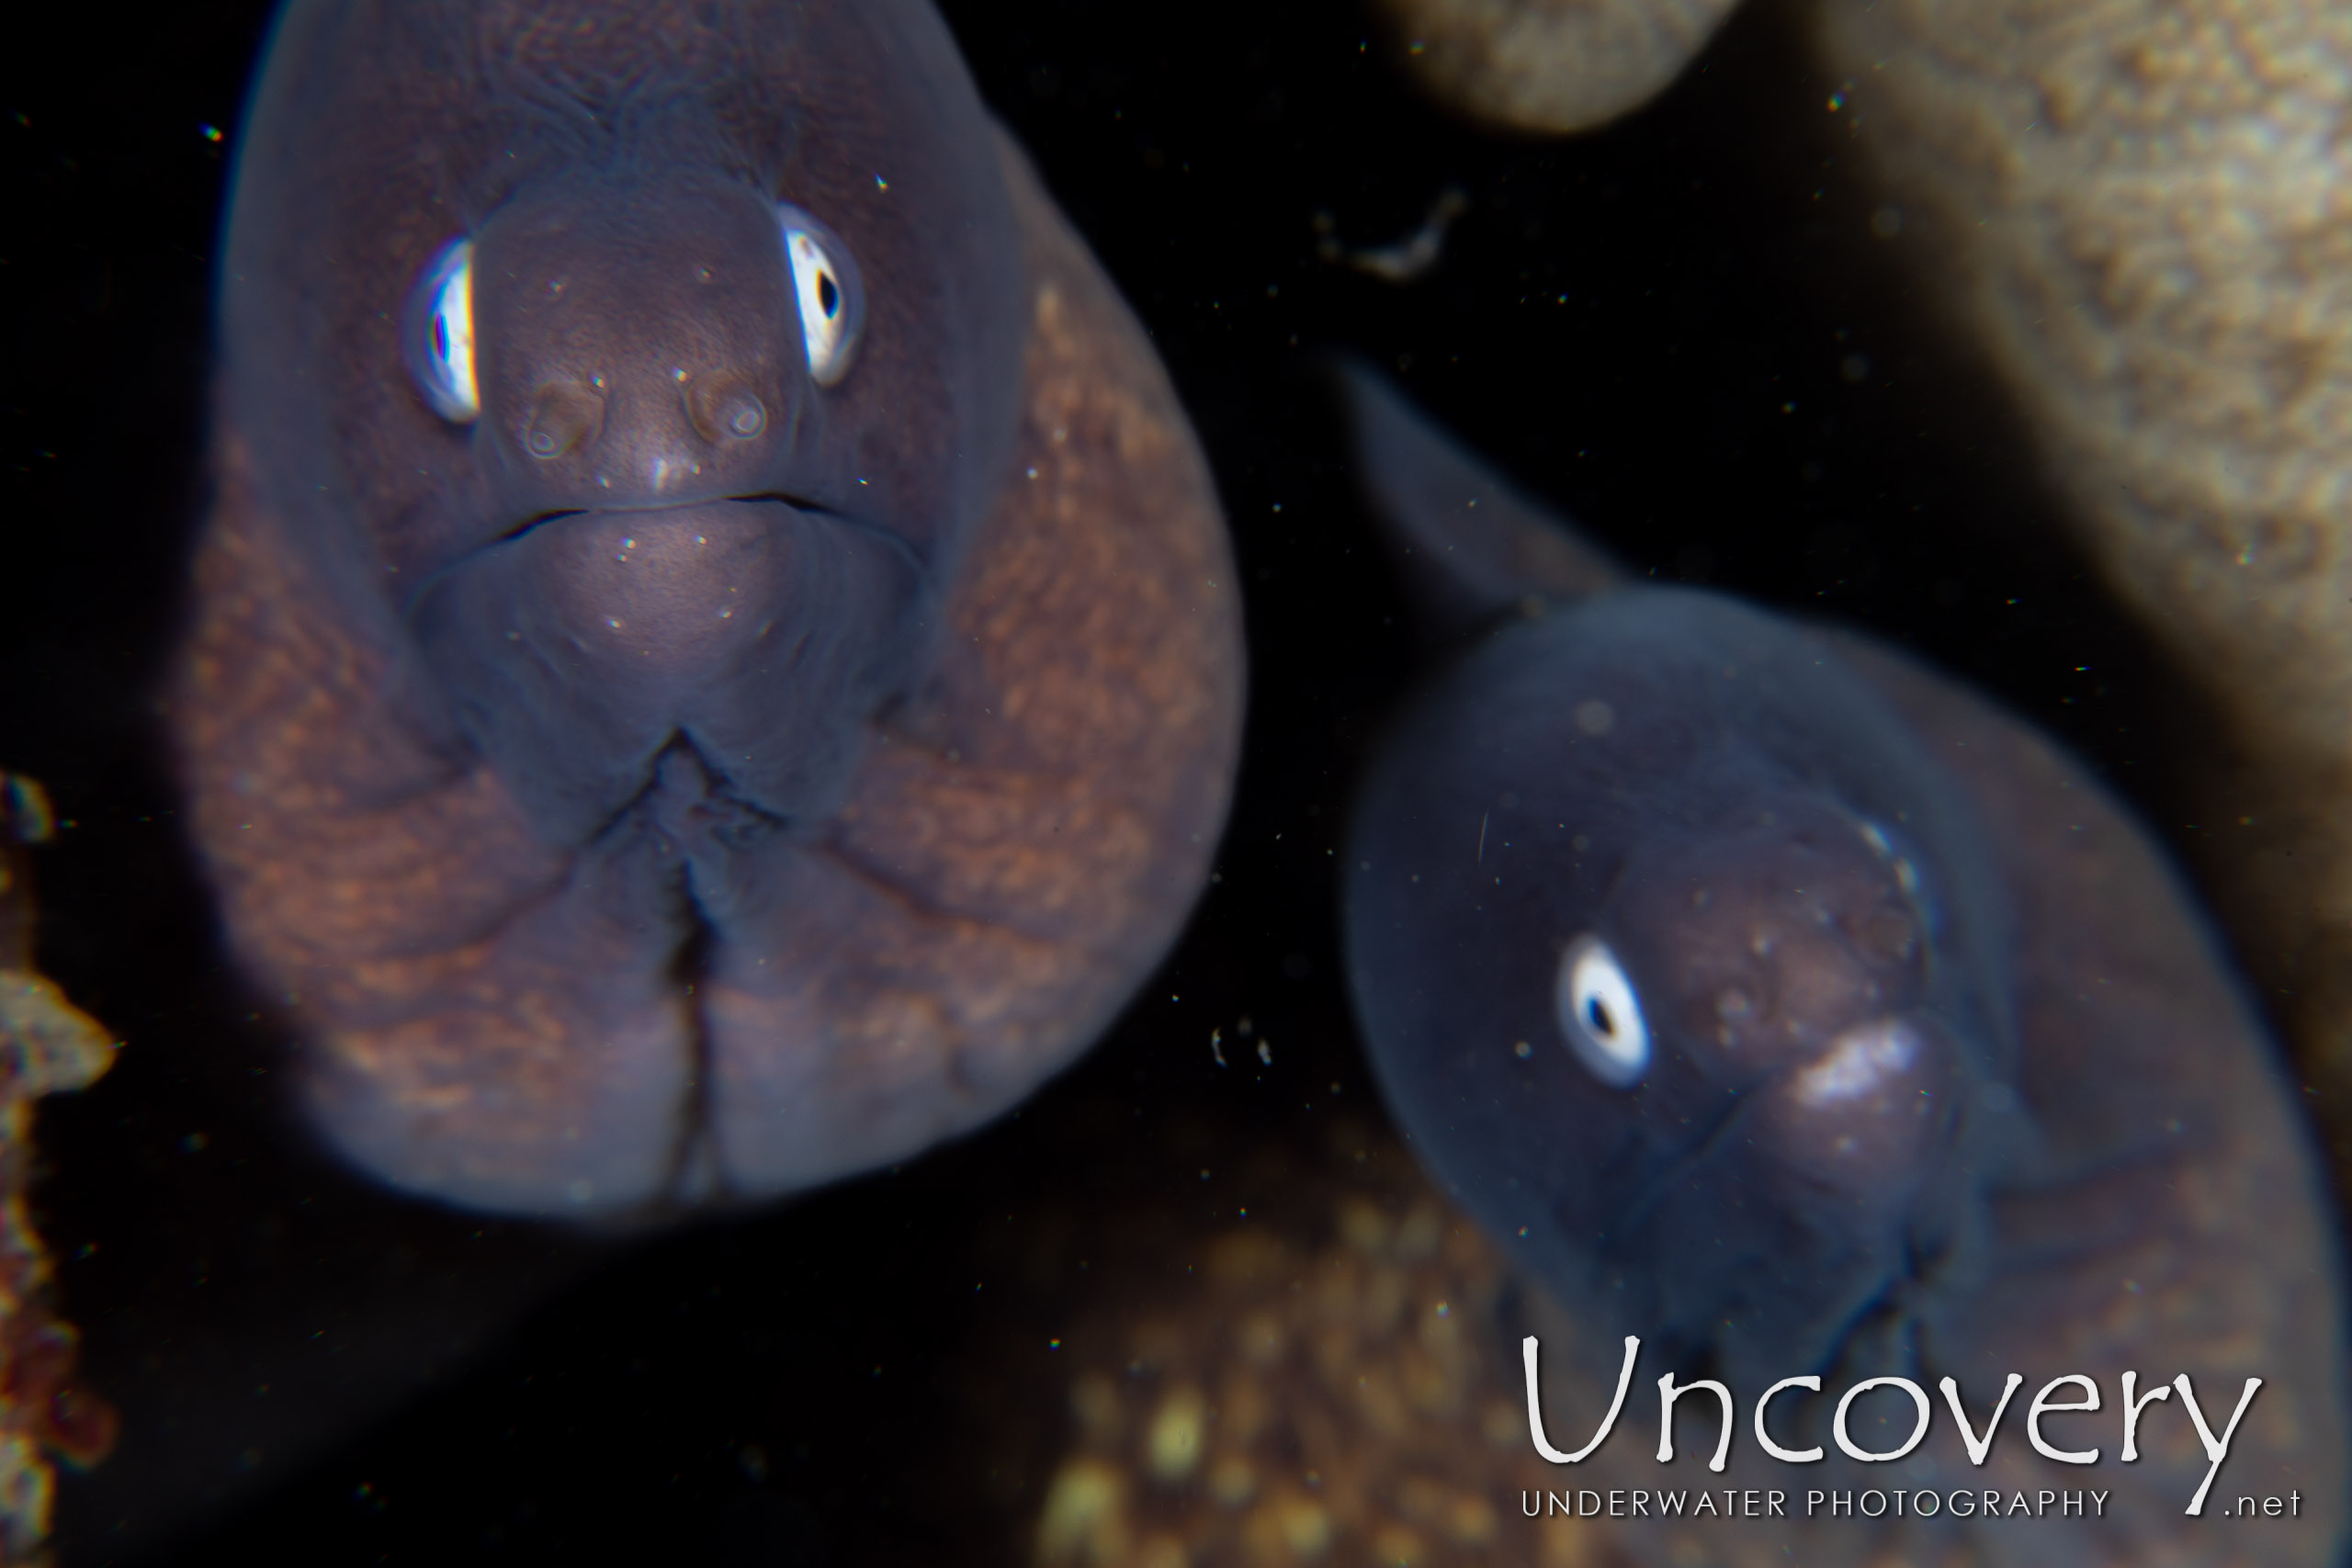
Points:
(1682, 331)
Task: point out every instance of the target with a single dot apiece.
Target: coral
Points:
(47, 1047)
(1322, 1386)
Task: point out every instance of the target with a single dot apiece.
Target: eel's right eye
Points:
(1600, 1015)
(441, 335)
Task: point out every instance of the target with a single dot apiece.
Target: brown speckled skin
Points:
(2158, 1206)
(508, 1018)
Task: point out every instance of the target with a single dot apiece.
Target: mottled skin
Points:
(2084, 1157)
(689, 813)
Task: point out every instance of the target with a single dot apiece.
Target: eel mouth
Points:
(798, 505)
(805, 505)
(727, 512)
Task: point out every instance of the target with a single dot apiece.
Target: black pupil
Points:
(1597, 1014)
(829, 298)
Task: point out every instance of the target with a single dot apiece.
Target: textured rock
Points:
(1324, 1384)
(47, 1047)
(1550, 64)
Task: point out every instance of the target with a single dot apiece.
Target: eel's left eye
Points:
(833, 300)
(441, 335)
(1600, 1015)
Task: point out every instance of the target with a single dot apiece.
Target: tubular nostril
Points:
(565, 416)
(725, 410)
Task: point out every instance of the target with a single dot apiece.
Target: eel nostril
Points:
(723, 409)
(564, 417)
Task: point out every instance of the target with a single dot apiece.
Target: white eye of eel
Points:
(441, 335)
(831, 297)
(1600, 1015)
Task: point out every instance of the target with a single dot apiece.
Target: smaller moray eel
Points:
(1783, 1004)
(714, 660)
